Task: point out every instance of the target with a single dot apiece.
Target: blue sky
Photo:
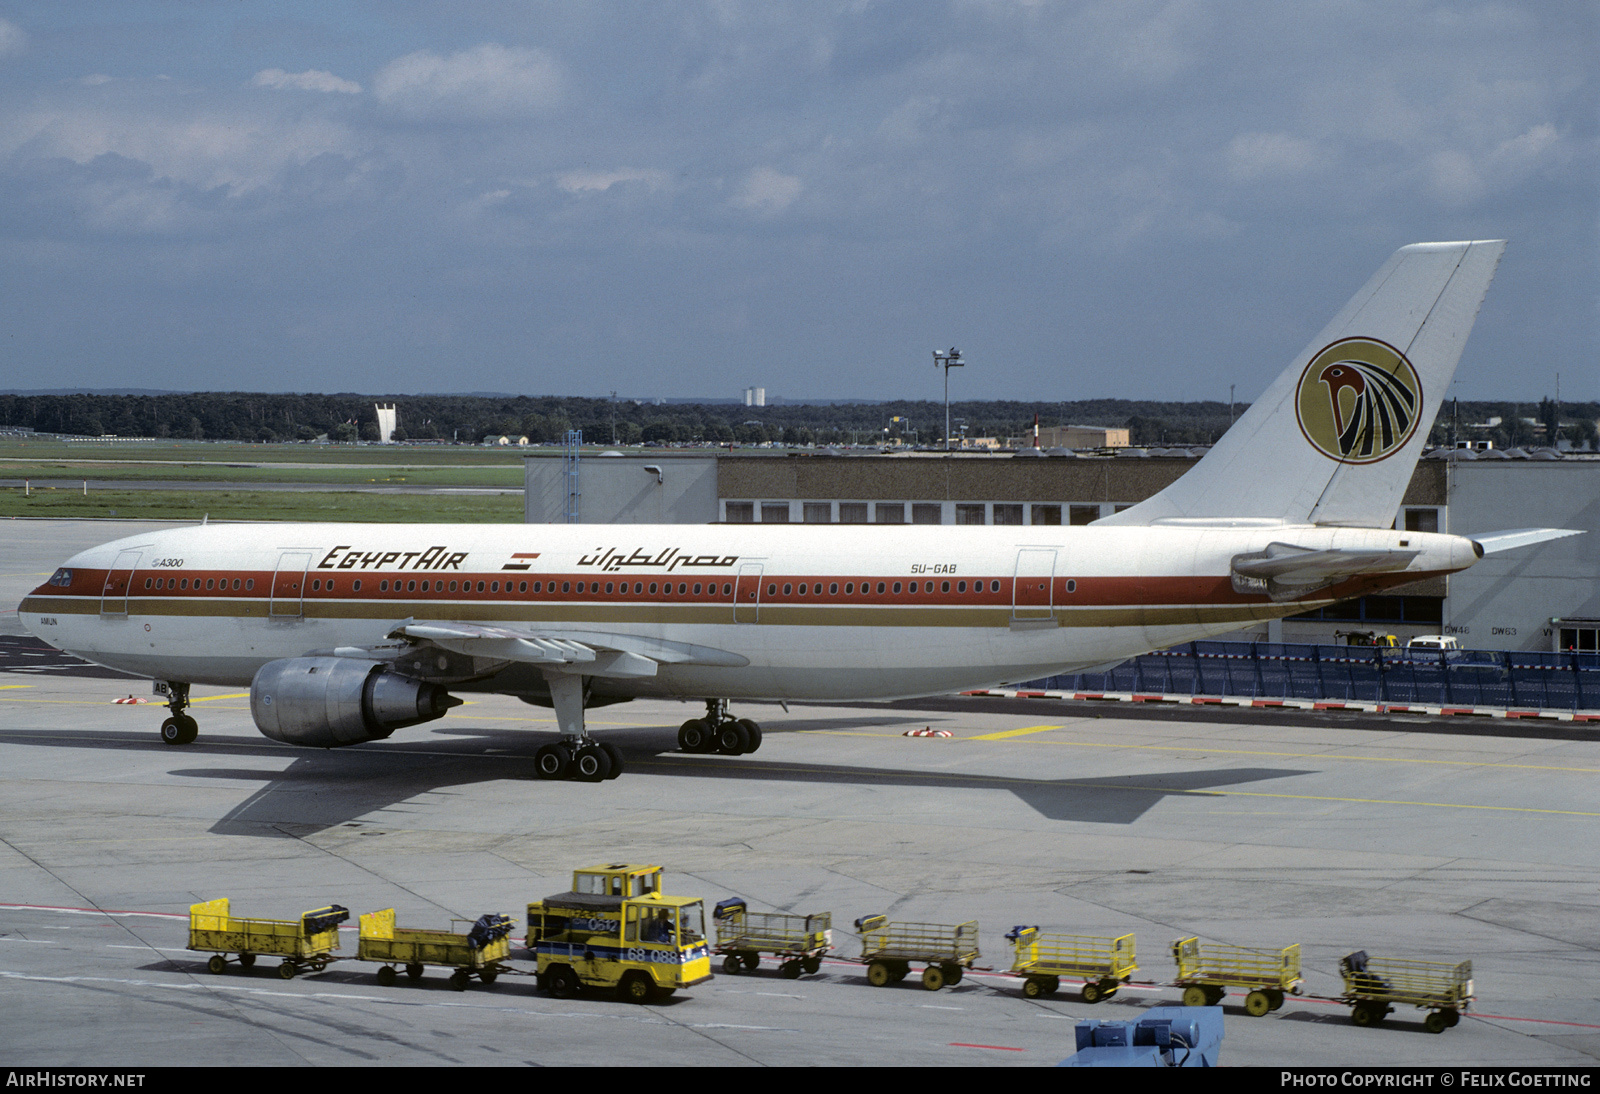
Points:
(1119, 199)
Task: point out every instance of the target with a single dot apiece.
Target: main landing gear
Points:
(179, 729)
(717, 732)
(576, 756)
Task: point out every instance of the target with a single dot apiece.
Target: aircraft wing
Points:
(591, 653)
(1284, 571)
(1495, 542)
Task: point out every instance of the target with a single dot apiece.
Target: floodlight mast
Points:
(947, 359)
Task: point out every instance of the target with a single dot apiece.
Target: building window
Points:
(969, 514)
(924, 512)
(1047, 514)
(1422, 520)
(852, 512)
(1006, 513)
(1083, 514)
(818, 512)
(890, 512)
(740, 512)
(774, 512)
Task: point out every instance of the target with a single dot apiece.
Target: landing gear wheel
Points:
(386, 976)
(592, 764)
(878, 974)
(247, 960)
(813, 965)
(287, 970)
(1196, 996)
(751, 959)
(217, 963)
(754, 733)
(695, 736)
(561, 982)
(553, 761)
(1436, 1022)
(790, 970)
(732, 965)
(732, 739)
(180, 729)
(1257, 1003)
(636, 987)
(414, 972)
(615, 753)
(933, 978)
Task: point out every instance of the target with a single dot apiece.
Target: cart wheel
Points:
(1436, 1022)
(1035, 986)
(933, 978)
(287, 970)
(414, 971)
(488, 976)
(386, 976)
(1275, 997)
(1195, 996)
(561, 982)
(751, 959)
(1366, 1014)
(1454, 1016)
(636, 987)
(952, 973)
(318, 964)
(217, 963)
(460, 979)
(813, 965)
(247, 960)
(898, 971)
(1256, 1004)
(790, 970)
(1091, 993)
(878, 974)
(732, 965)
(1215, 995)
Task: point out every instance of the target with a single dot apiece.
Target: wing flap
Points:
(590, 653)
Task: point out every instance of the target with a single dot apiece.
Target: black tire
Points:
(553, 761)
(732, 965)
(386, 976)
(694, 736)
(952, 973)
(732, 739)
(898, 971)
(1454, 1017)
(488, 976)
(591, 764)
(752, 731)
(287, 970)
(561, 982)
(1214, 996)
(460, 979)
(1436, 1022)
(247, 960)
(171, 732)
(813, 965)
(751, 959)
(790, 970)
(414, 972)
(1361, 1015)
(217, 963)
(637, 988)
(615, 753)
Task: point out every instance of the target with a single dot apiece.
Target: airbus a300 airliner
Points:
(347, 632)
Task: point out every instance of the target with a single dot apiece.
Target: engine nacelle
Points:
(325, 702)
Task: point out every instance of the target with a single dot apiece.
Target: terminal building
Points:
(1545, 597)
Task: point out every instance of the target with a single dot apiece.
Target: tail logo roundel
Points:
(1359, 400)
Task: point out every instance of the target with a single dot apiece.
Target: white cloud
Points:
(310, 80)
(12, 38)
(488, 81)
(767, 190)
(577, 182)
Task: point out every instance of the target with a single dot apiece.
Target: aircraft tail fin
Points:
(1335, 438)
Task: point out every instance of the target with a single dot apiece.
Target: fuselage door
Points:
(119, 579)
(747, 594)
(289, 585)
(1033, 584)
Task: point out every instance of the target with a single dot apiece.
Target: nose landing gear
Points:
(717, 732)
(179, 729)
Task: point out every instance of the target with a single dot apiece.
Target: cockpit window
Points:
(62, 578)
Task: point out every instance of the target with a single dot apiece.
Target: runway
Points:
(1383, 835)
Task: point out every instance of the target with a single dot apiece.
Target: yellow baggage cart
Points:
(1206, 972)
(302, 943)
(1371, 984)
(479, 952)
(799, 942)
(887, 950)
(1103, 963)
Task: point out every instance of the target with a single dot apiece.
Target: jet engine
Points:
(326, 702)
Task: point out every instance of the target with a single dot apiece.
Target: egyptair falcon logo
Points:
(1359, 400)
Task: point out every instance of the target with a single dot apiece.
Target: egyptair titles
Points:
(610, 559)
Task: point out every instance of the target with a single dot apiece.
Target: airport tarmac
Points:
(1376, 834)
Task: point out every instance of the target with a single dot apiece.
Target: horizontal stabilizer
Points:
(1495, 542)
(1284, 571)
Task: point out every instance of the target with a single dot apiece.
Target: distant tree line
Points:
(469, 419)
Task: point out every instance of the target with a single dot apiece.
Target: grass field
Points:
(70, 503)
(220, 452)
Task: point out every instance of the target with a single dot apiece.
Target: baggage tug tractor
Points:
(616, 929)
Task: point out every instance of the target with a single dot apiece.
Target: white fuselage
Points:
(824, 612)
